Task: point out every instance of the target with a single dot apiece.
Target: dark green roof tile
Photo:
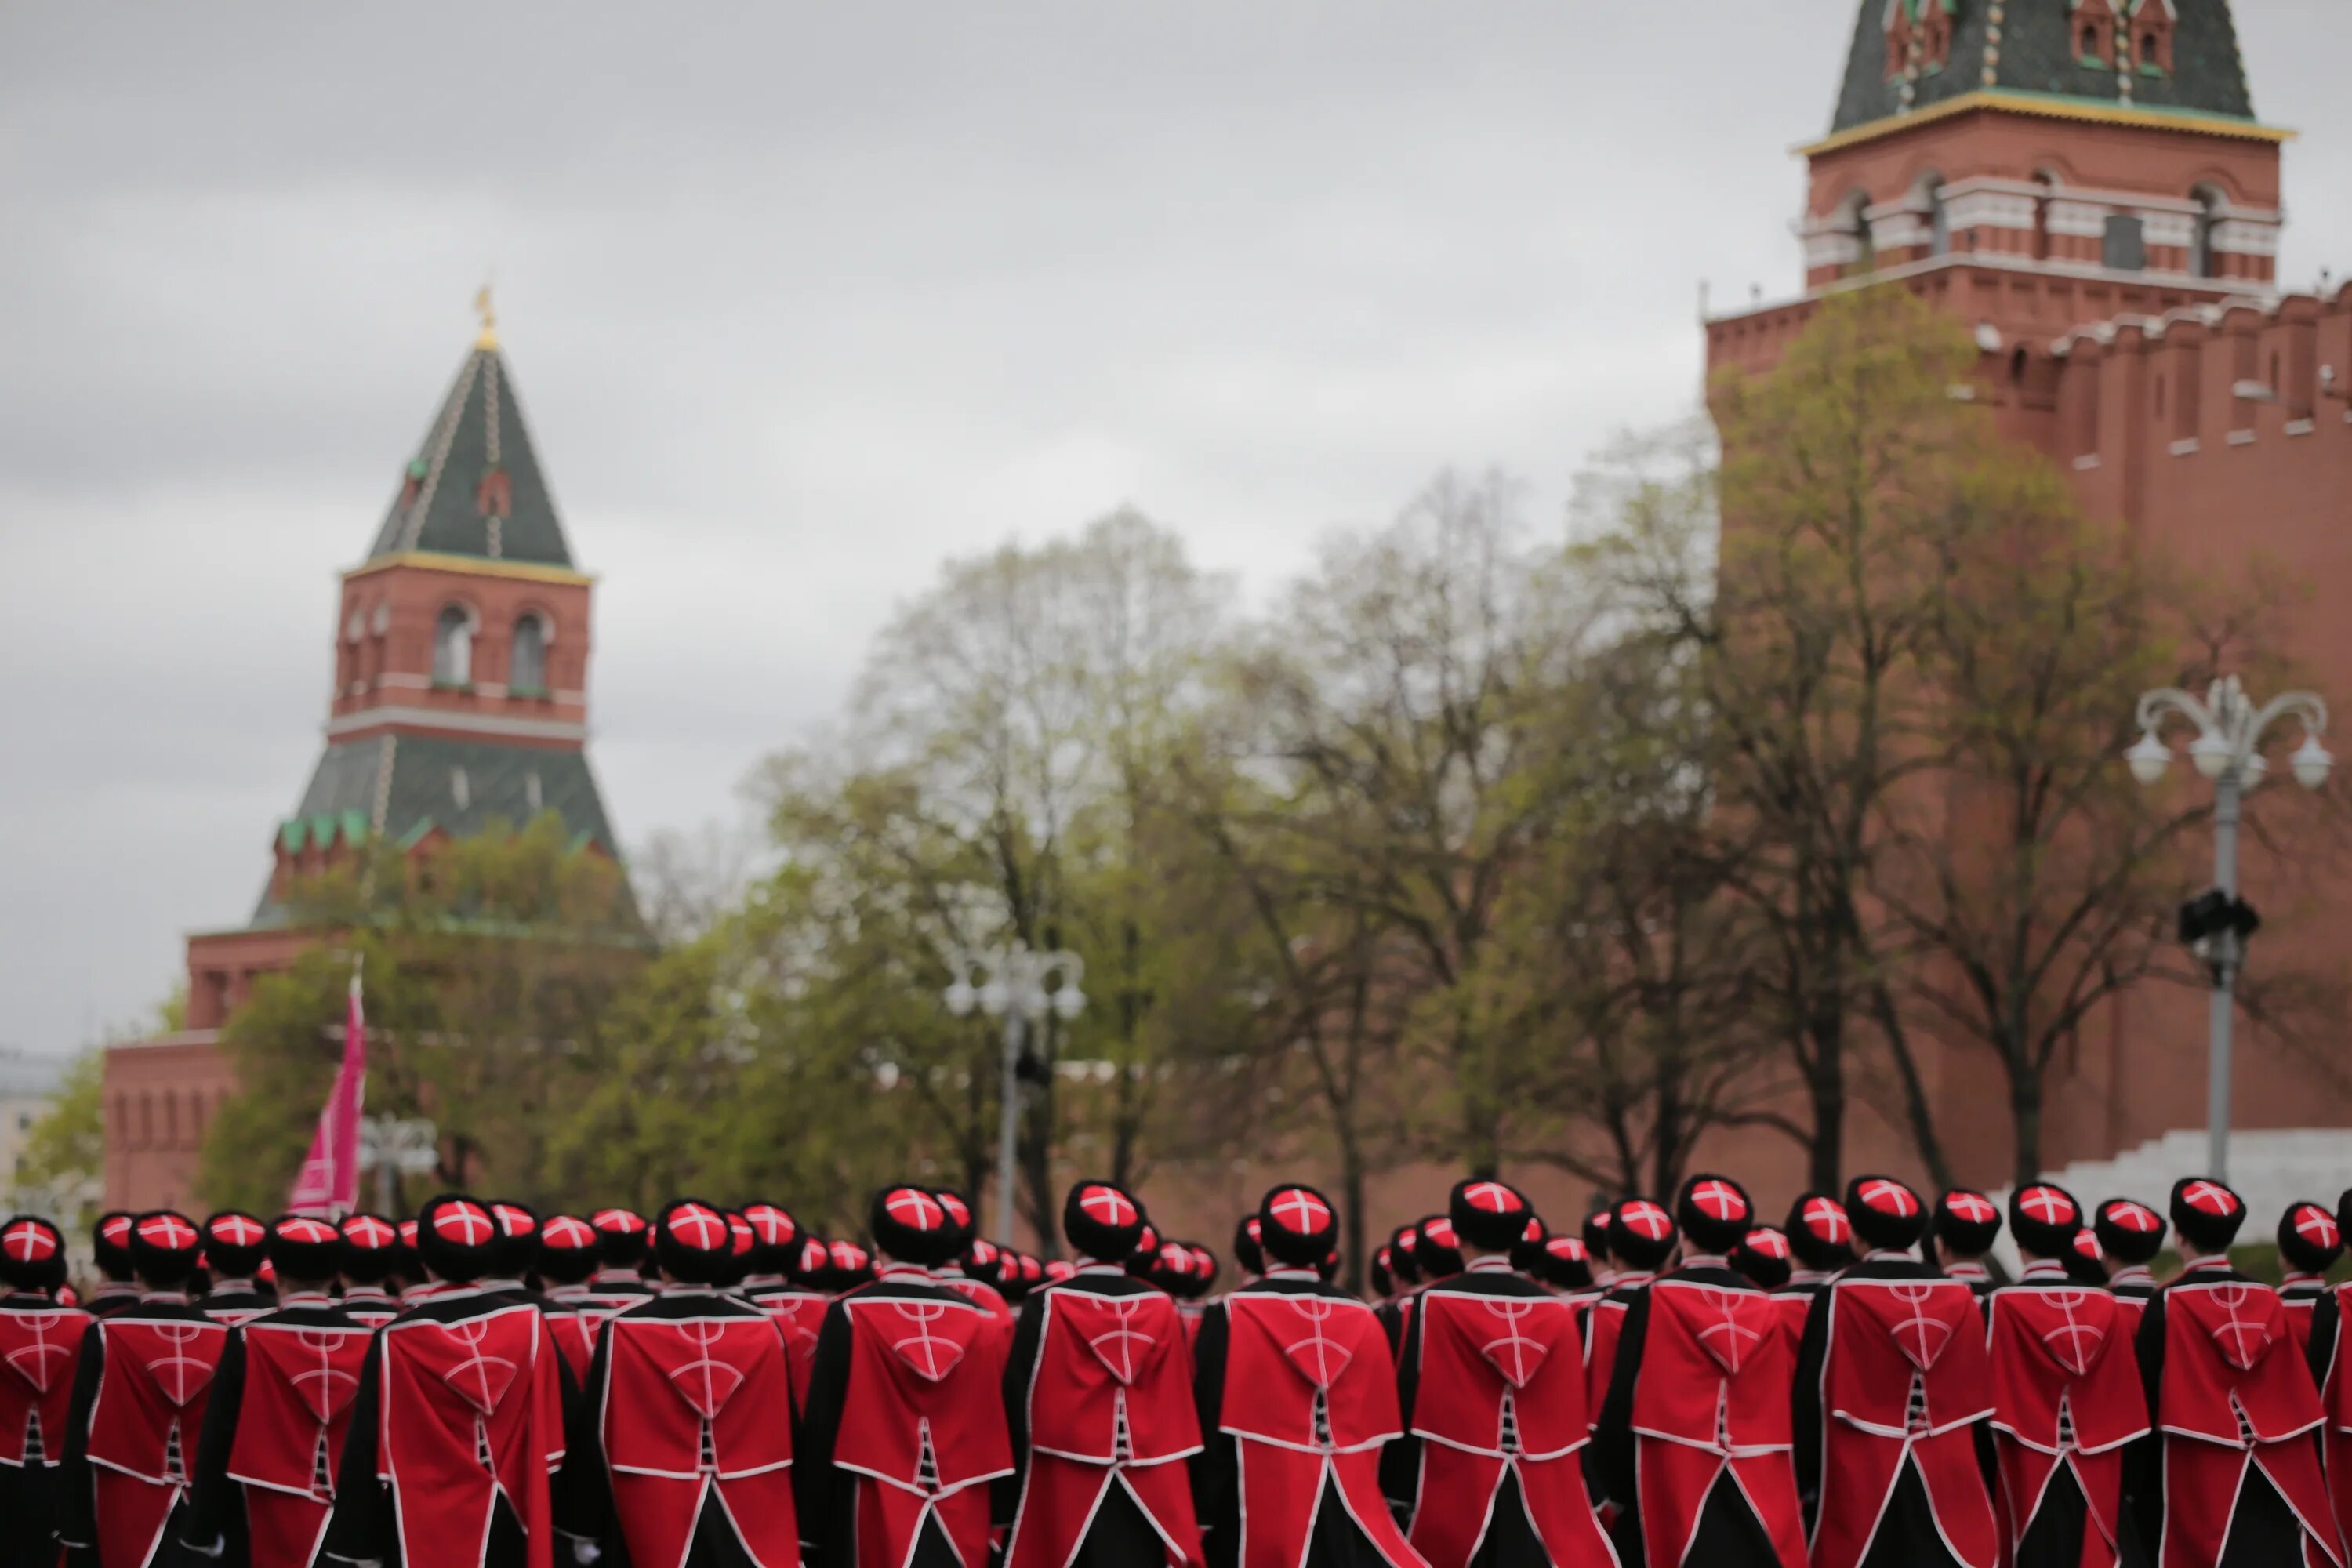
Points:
(2036, 53)
(439, 506)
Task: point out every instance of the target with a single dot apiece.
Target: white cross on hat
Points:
(366, 1230)
(236, 1229)
(1974, 1207)
(513, 1221)
(27, 1240)
(1107, 1205)
(771, 1224)
(310, 1232)
(167, 1231)
(1827, 1217)
(1646, 1218)
(566, 1231)
(1890, 1198)
(463, 1217)
(915, 1209)
(1493, 1197)
(1718, 1200)
(697, 1226)
(2209, 1198)
(1300, 1210)
(2317, 1226)
(2132, 1215)
(2047, 1205)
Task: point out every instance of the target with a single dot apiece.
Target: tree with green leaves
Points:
(487, 964)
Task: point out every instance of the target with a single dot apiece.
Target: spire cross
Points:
(482, 307)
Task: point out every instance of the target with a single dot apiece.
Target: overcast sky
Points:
(798, 305)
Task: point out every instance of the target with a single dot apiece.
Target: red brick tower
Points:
(460, 697)
(2083, 184)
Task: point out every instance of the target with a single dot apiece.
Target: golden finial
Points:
(490, 333)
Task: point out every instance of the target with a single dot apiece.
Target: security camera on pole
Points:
(2217, 923)
(1013, 987)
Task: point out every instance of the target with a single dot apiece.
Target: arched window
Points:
(453, 646)
(1857, 220)
(2203, 262)
(2045, 186)
(527, 669)
(1939, 220)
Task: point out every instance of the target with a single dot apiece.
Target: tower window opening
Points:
(2203, 259)
(527, 669)
(461, 789)
(1939, 221)
(453, 646)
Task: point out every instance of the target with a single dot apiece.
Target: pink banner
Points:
(330, 1182)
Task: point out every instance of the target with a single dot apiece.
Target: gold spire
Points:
(489, 339)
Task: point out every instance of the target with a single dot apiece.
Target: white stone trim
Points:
(465, 723)
(2300, 426)
(2086, 462)
(2186, 448)
(2241, 437)
(2246, 237)
(1990, 209)
(2167, 229)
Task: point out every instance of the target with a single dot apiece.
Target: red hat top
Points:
(1297, 1226)
(32, 1254)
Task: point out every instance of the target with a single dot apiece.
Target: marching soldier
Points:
(279, 1413)
(2327, 1361)
(569, 1253)
(1966, 1224)
(1491, 1391)
(514, 1251)
(110, 1245)
(458, 1423)
(951, 1274)
(784, 1259)
(2067, 1400)
(40, 1344)
(139, 1398)
(1892, 1382)
(1763, 1259)
(1693, 1443)
(1098, 1391)
(1642, 1236)
(2309, 1244)
(622, 1242)
(905, 1428)
(681, 1450)
(2130, 1235)
(237, 1247)
(1296, 1392)
(371, 1254)
(2234, 1476)
(1821, 1242)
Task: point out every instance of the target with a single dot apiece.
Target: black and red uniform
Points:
(1099, 1389)
(1435, 1256)
(1966, 1224)
(2235, 1476)
(457, 1427)
(1821, 1243)
(371, 1255)
(1892, 1384)
(1297, 1393)
(2130, 1235)
(236, 1252)
(2066, 1401)
(624, 1240)
(797, 1308)
(278, 1416)
(2309, 1244)
(681, 1454)
(110, 1243)
(140, 1393)
(1695, 1441)
(40, 1344)
(1491, 1395)
(1642, 1234)
(568, 1257)
(905, 1429)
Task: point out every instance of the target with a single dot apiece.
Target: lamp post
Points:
(2228, 751)
(395, 1148)
(1013, 987)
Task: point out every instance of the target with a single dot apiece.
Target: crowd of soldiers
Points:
(1672, 1383)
